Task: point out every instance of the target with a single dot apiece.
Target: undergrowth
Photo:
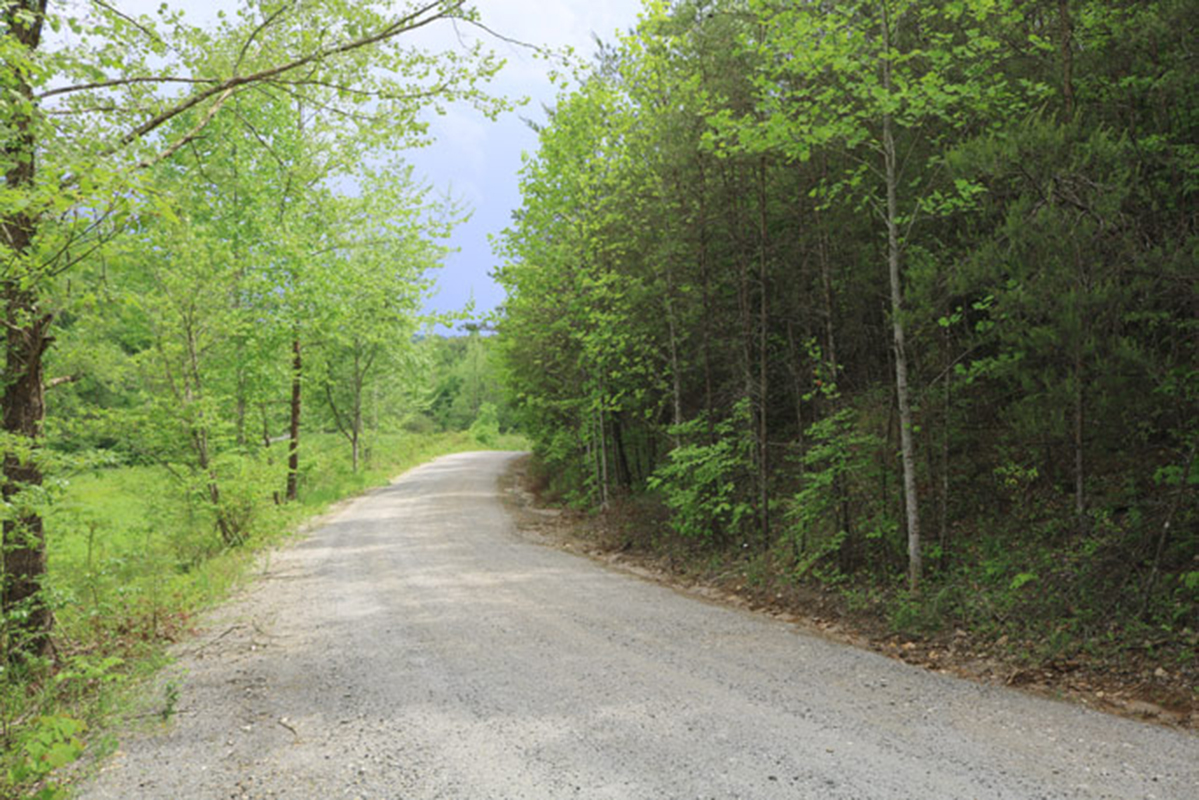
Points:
(133, 557)
(1030, 591)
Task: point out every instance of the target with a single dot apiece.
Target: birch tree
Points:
(877, 78)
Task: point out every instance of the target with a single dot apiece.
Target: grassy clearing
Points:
(133, 557)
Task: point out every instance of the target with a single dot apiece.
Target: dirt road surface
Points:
(416, 647)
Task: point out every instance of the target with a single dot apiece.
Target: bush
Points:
(836, 520)
(486, 428)
(699, 483)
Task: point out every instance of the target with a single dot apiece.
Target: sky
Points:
(479, 160)
(474, 159)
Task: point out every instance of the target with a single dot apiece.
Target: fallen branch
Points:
(61, 380)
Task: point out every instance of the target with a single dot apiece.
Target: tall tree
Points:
(874, 77)
(371, 291)
(939, 244)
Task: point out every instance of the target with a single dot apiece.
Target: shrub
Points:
(700, 481)
(486, 428)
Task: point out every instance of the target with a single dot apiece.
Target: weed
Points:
(170, 700)
(50, 742)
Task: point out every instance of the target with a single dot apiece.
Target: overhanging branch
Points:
(412, 22)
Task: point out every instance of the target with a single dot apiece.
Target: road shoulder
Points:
(1146, 692)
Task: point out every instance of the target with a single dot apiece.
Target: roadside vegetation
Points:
(137, 552)
(214, 274)
(132, 564)
(888, 302)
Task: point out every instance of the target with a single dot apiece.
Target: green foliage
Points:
(486, 428)
(134, 558)
(702, 482)
(839, 454)
(1035, 197)
(170, 701)
(51, 742)
(921, 615)
(465, 375)
(176, 214)
(1021, 580)
(170, 204)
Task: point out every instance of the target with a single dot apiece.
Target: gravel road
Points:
(416, 647)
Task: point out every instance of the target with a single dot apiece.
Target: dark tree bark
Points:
(297, 398)
(27, 324)
(1066, 50)
(624, 475)
(763, 360)
(24, 542)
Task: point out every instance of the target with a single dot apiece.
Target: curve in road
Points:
(416, 647)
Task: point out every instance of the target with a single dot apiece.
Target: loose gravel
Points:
(416, 647)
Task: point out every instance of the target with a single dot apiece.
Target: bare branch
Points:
(125, 82)
(433, 92)
(117, 13)
(96, 247)
(191, 135)
(414, 21)
(71, 112)
(254, 35)
(341, 112)
(199, 162)
(337, 416)
(261, 139)
(516, 42)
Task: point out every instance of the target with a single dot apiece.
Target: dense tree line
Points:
(894, 291)
(466, 381)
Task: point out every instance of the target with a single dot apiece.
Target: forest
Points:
(893, 300)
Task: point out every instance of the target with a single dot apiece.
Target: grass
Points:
(134, 556)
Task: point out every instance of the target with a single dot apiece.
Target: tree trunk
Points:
(358, 379)
(266, 426)
(229, 535)
(797, 374)
(1066, 50)
(240, 412)
(844, 521)
(24, 541)
(1080, 483)
(763, 361)
(1080, 377)
(826, 285)
(356, 431)
(624, 475)
(795, 358)
(593, 452)
(603, 456)
(676, 381)
(946, 418)
(293, 446)
(706, 317)
(907, 445)
(23, 544)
